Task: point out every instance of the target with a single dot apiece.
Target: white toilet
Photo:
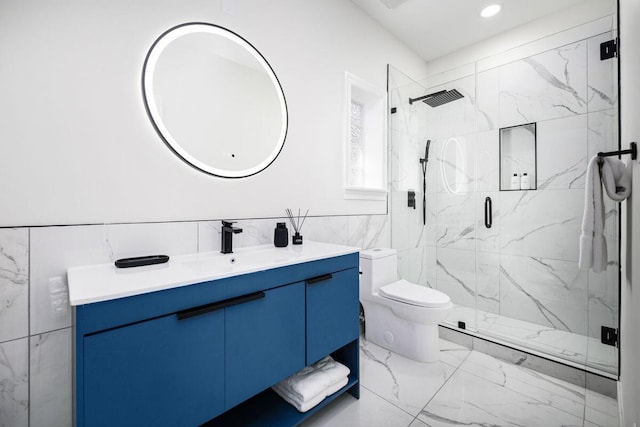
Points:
(400, 316)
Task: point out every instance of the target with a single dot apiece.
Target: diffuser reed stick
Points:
(297, 224)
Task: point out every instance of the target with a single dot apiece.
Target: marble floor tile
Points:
(481, 390)
(453, 354)
(552, 391)
(467, 399)
(369, 411)
(601, 410)
(405, 383)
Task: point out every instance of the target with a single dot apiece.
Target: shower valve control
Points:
(411, 199)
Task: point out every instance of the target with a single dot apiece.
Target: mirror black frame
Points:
(166, 139)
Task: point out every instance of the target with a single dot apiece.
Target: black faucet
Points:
(228, 230)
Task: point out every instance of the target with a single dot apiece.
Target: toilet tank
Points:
(379, 267)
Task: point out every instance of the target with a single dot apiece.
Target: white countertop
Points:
(103, 282)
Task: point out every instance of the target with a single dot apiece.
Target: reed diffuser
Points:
(297, 224)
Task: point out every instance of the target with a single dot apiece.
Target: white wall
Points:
(630, 286)
(77, 146)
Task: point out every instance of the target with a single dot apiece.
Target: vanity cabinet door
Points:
(161, 372)
(264, 342)
(332, 312)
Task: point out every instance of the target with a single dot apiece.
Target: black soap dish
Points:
(141, 260)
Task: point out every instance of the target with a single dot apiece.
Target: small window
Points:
(365, 141)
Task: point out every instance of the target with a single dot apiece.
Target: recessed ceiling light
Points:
(490, 10)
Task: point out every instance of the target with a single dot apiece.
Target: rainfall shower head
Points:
(437, 99)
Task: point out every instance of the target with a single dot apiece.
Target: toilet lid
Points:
(411, 293)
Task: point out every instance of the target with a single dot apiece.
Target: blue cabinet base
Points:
(267, 409)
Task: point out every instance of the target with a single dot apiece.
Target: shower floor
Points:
(578, 349)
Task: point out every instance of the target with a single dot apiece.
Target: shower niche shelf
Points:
(518, 159)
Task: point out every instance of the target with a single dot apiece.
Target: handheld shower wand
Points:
(423, 162)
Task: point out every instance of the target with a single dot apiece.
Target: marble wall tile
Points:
(541, 223)
(403, 174)
(487, 161)
(488, 281)
(562, 153)
(400, 220)
(53, 251)
(546, 86)
(456, 275)
(488, 99)
(14, 383)
(412, 265)
(418, 265)
(369, 231)
(169, 238)
(408, 119)
(544, 291)
(14, 283)
(50, 382)
(330, 229)
(601, 76)
(602, 132)
(455, 220)
(603, 299)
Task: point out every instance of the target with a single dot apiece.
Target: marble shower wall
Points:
(36, 320)
(526, 265)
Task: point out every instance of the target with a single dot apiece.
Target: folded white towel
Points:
(593, 246)
(616, 178)
(311, 403)
(314, 379)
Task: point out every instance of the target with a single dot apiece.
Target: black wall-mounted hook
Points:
(633, 150)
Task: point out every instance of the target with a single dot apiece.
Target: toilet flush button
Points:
(388, 337)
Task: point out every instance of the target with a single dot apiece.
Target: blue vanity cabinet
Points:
(160, 372)
(332, 312)
(207, 353)
(264, 342)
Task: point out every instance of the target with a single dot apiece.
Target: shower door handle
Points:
(488, 215)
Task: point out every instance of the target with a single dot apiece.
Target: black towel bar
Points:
(633, 151)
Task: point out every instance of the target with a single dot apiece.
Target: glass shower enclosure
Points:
(504, 194)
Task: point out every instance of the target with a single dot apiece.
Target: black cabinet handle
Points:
(208, 308)
(319, 279)
(488, 215)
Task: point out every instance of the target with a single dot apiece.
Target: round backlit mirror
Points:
(214, 100)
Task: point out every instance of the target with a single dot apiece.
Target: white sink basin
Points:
(95, 283)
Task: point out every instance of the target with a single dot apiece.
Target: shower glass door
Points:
(508, 257)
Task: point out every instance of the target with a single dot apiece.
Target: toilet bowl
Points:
(400, 316)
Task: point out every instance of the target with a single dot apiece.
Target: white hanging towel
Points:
(617, 182)
(593, 246)
(616, 178)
